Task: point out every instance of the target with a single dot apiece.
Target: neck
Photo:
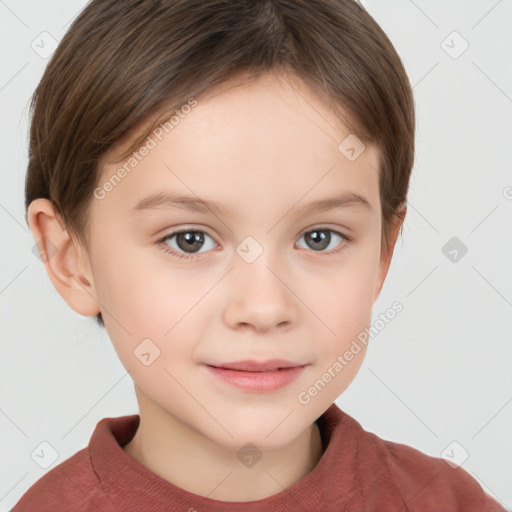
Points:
(189, 460)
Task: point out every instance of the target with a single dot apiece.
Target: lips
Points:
(256, 376)
(258, 366)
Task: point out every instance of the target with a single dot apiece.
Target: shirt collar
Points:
(333, 482)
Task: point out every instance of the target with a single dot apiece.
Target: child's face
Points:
(262, 151)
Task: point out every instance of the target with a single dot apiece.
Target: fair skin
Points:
(263, 150)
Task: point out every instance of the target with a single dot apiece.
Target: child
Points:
(278, 137)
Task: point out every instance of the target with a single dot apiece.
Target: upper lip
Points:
(258, 366)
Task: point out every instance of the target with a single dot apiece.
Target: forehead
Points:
(242, 142)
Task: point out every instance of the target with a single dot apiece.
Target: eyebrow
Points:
(164, 200)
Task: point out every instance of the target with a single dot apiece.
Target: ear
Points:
(385, 256)
(66, 262)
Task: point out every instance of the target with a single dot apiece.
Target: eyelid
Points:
(186, 229)
(346, 240)
(327, 226)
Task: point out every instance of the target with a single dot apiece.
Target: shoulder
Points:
(72, 486)
(394, 475)
(430, 483)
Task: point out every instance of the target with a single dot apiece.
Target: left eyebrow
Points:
(197, 204)
(332, 203)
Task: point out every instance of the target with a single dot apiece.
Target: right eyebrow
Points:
(189, 203)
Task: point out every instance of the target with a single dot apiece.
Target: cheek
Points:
(134, 285)
(143, 297)
(344, 301)
(129, 294)
(345, 308)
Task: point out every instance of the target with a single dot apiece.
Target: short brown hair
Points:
(125, 63)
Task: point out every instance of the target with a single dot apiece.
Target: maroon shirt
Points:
(358, 472)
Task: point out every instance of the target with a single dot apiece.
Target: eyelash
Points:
(167, 250)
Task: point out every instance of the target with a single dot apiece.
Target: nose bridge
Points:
(257, 264)
(259, 295)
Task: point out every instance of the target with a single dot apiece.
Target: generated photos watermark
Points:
(305, 396)
(151, 143)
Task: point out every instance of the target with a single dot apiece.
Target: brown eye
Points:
(319, 239)
(187, 241)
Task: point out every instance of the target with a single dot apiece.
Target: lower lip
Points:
(257, 382)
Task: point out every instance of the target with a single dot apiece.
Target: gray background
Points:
(439, 372)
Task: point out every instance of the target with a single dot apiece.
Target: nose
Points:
(260, 297)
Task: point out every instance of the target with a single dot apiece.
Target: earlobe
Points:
(66, 263)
